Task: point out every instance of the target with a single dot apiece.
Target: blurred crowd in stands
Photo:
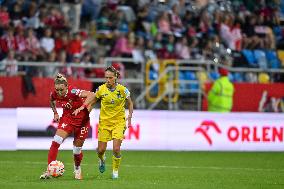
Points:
(237, 33)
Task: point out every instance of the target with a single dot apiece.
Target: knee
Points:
(78, 143)
(100, 150)
(58, 139)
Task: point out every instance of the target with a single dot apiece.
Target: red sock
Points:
(53, 151)
(78, 158)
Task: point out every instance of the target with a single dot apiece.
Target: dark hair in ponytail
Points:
(113, 70)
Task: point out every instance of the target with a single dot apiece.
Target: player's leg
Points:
(101, 155)
(116, 157)
(118, 135)
(104, 135)
(80, 134)
(58, 139)
(78, 156)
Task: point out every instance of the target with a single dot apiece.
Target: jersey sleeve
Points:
(76, 92)
(126, 92)
(98, 92)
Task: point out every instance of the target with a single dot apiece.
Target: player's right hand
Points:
(56, 117)
(78, 110)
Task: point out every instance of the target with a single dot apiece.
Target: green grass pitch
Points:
(149, 169)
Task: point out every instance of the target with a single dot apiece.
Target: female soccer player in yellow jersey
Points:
(112, 121)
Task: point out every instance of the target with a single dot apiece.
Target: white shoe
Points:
(114, 174)
(45, 175)
(78, 173)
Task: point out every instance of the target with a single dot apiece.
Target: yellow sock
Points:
(116, 162)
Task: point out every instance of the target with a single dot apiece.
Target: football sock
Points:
(77, 159)
(53, 151)
(78, 155)
(116, 162)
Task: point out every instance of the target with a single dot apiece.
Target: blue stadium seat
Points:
(153, 75)
(214, 75)
(273, 61)
(248, 54)
(182, 86)
(238, 77)
(191, 76)
(260, 58)
(231, 77)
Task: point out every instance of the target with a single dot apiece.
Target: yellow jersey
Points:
(112, 103)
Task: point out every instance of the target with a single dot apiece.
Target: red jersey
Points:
(70, 102)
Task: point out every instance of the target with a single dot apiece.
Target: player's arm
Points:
(88, 103)
(52, 103)
(89, 96)
(130, 109)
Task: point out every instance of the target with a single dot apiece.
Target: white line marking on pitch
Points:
(160, 166)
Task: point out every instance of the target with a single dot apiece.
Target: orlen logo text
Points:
(256, 134)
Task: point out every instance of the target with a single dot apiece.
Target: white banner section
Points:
(171, 130)
(8, 128)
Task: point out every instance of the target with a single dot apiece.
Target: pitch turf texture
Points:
(149, 169)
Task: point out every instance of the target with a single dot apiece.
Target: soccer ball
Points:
(56, 168)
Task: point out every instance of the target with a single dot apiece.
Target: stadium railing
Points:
(139, 77)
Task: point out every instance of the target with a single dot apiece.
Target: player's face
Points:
(110, 79)
(61, 89)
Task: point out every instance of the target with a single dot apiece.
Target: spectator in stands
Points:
(164, 24)
(10, 64)
(51, 71)
(56, 20)
(72, 10)
(75, 45)
(220, 96)
(8, 41)
(61, 41)
(119, 22)
(175, 21)
(32, 45)
(47, 42)
(4, 17)
(32, 19)
(182, 48)
(124, 45)
(170, 47)
(138, 50)
(104, 25)
(143, 24)
(250, 38)
(21, 42)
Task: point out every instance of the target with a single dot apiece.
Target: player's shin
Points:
(101, 155)
(53, 151)
(78, 155)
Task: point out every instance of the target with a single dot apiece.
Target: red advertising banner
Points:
(248, 95)
(14, 94)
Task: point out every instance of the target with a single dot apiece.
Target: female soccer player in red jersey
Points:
(70, 98)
